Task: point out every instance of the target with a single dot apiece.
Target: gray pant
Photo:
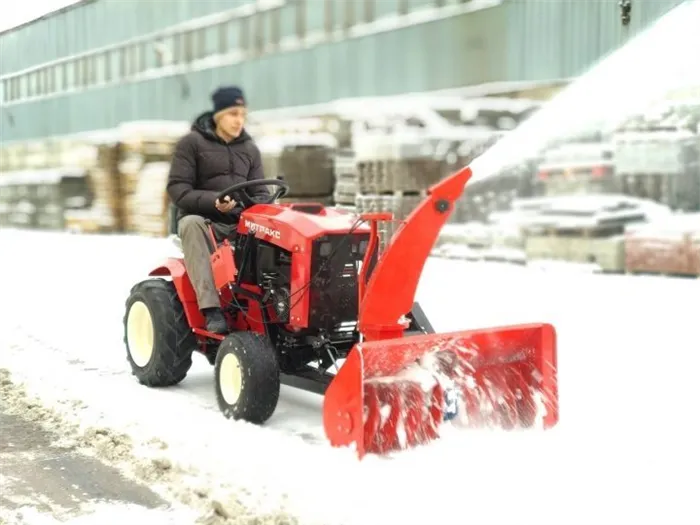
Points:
(197, 248)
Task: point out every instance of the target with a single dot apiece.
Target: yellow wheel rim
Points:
(139, 334)
(230, 379)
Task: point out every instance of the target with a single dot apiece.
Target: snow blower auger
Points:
(311, 303)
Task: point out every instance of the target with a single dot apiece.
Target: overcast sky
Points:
(15, 12)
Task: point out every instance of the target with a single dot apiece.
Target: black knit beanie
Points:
(227, 97)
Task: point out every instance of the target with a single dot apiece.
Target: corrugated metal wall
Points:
(544, 35)
(518, 40)
(97, 23)
(560, 39)
(424, 57)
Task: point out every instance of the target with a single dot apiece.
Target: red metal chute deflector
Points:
(506, 358)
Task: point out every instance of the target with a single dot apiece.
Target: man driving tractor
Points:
(216, 154)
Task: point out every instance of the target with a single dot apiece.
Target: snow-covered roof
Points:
(672, 226)
(582, 211)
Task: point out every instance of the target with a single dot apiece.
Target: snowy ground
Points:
(625, 450)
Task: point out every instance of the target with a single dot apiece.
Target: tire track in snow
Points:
(144, 462)
(298, 413)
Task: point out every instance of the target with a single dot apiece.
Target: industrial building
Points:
(97, 63)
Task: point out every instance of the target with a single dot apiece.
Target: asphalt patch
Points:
(54, 480)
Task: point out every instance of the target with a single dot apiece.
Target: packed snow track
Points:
(625, 451)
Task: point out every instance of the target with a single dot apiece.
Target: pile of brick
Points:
(668, 247)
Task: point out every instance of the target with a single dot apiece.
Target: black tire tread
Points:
(174, 340)
(261, 377)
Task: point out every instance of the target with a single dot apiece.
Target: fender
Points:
(175, 268)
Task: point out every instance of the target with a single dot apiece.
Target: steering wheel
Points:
(238, 192)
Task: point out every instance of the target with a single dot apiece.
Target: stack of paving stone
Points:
(304, 161)
(346, 179)
(393, 172)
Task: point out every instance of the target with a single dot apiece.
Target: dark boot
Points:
(216, 322)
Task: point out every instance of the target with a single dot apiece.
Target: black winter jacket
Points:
(203, 165)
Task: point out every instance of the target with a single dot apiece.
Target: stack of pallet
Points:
(4, 159)
(149, 203)
(41, 179)
(145, 150)
(12, 158)
(101, 162)
(393, 173)
(4, 207)
(37, 155)
(16, 206)
(48, 200)
(36, 198)
(304, 161)
(45, 189)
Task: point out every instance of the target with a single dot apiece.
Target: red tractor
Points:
(311, 303)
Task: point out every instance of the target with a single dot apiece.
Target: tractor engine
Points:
(332, 288)
(271, 271)
(332, 292)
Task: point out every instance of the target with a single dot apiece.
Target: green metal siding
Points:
(560, 39)
(547, 38)
(517, 40)
(451, 52)
(95, 24)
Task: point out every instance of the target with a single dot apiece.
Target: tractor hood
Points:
(291, 223)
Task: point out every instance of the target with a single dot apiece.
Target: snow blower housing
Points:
(311, 303)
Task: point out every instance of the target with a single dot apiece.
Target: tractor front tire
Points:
(158, 338)
(247, 377)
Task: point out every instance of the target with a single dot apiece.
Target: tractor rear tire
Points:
(159, 341)
(247, 377)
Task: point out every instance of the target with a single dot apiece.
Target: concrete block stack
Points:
(304, 161)
(346, 179)
(104, 215)
(657, 155)
(73, 199)
(393, 172)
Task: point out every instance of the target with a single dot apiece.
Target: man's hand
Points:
(226, 206)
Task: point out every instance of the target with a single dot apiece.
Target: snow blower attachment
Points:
(395, 390)
(303, 288)
(395, 394)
